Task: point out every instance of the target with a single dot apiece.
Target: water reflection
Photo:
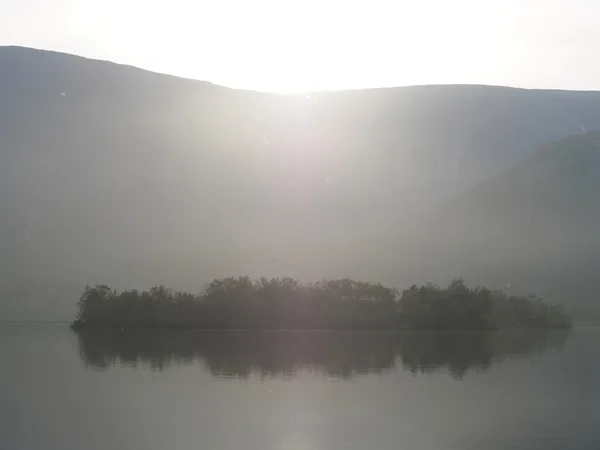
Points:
(339, 354)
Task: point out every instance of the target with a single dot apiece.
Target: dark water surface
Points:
(298, 390)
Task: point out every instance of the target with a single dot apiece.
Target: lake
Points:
(318, 390)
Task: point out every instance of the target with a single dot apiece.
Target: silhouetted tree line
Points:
(284, 303)
(330, 353)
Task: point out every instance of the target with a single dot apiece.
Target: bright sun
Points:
(297, 46)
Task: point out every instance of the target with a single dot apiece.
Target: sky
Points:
(296, 46)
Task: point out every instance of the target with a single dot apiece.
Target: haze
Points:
(116, 175)
(287, 46)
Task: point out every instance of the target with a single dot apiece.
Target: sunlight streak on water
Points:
(424, 391)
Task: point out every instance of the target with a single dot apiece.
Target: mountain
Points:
(113, 174)
(534, 227)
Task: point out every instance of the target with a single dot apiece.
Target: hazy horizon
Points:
(293, 93)
(290, 47)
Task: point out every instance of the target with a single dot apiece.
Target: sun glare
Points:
(299, 46)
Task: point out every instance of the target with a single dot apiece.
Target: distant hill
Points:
(534, 227)
(112, 174)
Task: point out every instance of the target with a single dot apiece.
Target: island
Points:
(284, 303)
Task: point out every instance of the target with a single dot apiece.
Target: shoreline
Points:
(101, 328)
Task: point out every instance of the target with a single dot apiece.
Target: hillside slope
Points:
(113, 174)
(534, 227)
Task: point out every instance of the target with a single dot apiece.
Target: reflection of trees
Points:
(459, 352)
(340, 354)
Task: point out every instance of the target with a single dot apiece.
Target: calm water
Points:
(298, 390)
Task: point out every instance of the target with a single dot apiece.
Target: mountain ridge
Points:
(533, 226)
(136, 180)
(50, 52)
